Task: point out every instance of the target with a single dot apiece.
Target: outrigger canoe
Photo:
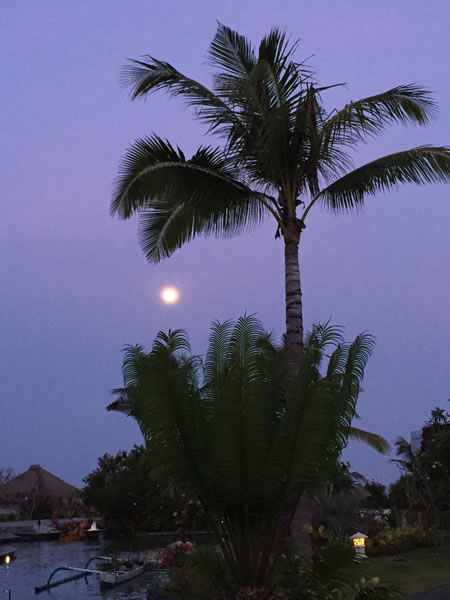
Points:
(127, 571)
(110, 578)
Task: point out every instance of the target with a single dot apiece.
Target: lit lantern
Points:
(359, 543)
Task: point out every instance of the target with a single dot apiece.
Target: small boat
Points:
(110, 578)
(93, 533)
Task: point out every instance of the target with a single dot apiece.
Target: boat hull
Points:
(111, 578)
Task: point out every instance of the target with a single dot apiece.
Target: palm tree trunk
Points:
(294, 348)
(294, 309)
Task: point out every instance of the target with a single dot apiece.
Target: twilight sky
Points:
(75, 287)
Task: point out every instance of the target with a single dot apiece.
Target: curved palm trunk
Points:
(294, 309)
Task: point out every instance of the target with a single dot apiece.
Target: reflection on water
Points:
(35, 562)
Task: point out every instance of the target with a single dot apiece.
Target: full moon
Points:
(170, 295)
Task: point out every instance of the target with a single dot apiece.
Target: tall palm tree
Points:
(235, 431)
(282, 154)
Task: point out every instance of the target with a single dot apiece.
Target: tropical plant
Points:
(426, 473)
(417, 486)
(235, 431)
(438, 417)
(283, 153)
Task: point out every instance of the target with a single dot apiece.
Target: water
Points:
(35, 562)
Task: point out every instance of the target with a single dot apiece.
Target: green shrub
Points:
(394, 541)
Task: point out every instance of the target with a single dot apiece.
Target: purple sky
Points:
(75, 286)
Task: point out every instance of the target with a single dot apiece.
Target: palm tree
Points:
(410, 464)
(282, 154)
(237, 433)
(438, 417)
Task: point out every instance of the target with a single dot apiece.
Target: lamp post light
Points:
(359, 543)
(7, 555)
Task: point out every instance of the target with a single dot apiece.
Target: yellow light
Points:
(170, 295)
(359, 542)
(7, 559)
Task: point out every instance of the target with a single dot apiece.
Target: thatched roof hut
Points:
(40, 482)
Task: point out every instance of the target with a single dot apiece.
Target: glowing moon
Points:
(170, 295)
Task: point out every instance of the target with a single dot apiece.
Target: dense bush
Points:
(124, 491)
(394, 541)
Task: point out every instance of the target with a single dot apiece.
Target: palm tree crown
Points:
(282, 152)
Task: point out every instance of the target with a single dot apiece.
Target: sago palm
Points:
(281, 154)
(233, 429)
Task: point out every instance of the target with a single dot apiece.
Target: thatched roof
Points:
(38, 481)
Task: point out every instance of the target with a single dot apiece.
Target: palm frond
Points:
(239, 414)
(132, 358)
(424, 164)
(179, 198)
(403, 104)
(152, 75)
(288, 77)
(317, 434)
(175, 341)
(359, 353)
(373, 440)
(324, 334)
(217, 354)
(317, 341)
(231, 52)
(337, 362)
(349, 385)
(277, 50)
(124, 403)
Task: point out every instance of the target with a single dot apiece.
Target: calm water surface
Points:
(35, 562)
